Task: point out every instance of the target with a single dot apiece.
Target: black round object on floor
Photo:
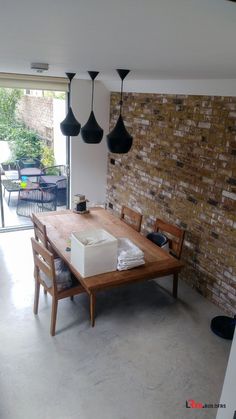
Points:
(223, 326)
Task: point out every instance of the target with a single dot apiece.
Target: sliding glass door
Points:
(2, 221)
(32, 153)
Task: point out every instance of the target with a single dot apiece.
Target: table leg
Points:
(92, 308)
(9, 197)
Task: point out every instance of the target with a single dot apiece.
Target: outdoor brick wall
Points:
(37, 114)
(182, 168)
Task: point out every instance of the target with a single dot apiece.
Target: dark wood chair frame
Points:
(131, 217)
(44, 261)
(176, 239)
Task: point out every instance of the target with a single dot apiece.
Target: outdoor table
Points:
(10, 186)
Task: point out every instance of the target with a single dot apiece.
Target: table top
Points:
(15, 185)
(60, 225)
(11, 185)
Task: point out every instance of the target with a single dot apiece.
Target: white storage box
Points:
(93, 252)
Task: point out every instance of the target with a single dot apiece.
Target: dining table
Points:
(158, 263)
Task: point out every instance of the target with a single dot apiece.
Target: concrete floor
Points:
(10, 216)
(145, 357)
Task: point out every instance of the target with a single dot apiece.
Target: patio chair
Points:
(131, 217)
(55, 278)
(37, 199)
(59, 170)
(56, 175)
(30, 167)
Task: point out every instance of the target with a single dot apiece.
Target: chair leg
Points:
(175, 285)
(36, 296)
(72, 298)
(92, 309)
(53, 316)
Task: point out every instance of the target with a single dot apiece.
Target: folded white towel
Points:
(129, 255)
(123, 267)
(126, 248)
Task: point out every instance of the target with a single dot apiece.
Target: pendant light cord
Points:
(69, 94)
(92, 95)
(121, 96)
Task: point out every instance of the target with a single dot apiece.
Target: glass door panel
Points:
(21, 190)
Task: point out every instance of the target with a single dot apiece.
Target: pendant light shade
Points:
(91, 132)
(70, 126)
(119, 140)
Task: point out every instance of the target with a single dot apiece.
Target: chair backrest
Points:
(59, 170)
(28, 162)
(40, 231)
(43, 262)
(131, 217)
(174, 234)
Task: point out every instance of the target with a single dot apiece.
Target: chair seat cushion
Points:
(63, 276)
(30, 171)
(60, 181)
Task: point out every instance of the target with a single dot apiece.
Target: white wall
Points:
(229, 388)
(59, 140)
(89, 161)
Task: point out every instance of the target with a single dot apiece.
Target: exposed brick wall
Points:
(37, 114)
(182, 168)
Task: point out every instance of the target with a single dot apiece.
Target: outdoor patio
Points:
(11, 218)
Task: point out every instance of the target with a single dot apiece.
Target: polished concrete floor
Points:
(145, 357)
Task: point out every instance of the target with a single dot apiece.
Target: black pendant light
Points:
(70, 126)
(119, 140)
(91, 132)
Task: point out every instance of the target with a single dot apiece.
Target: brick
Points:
(205, 125)
(229, 195)
(184, 156)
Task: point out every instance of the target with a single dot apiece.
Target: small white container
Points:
(93, 252)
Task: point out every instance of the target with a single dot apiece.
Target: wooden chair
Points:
(45, 274)
(40, 233)
(131, 217)
(176, 239)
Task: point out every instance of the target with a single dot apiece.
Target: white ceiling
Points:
(156, 39)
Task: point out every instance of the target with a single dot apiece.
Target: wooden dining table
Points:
(158, 263)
